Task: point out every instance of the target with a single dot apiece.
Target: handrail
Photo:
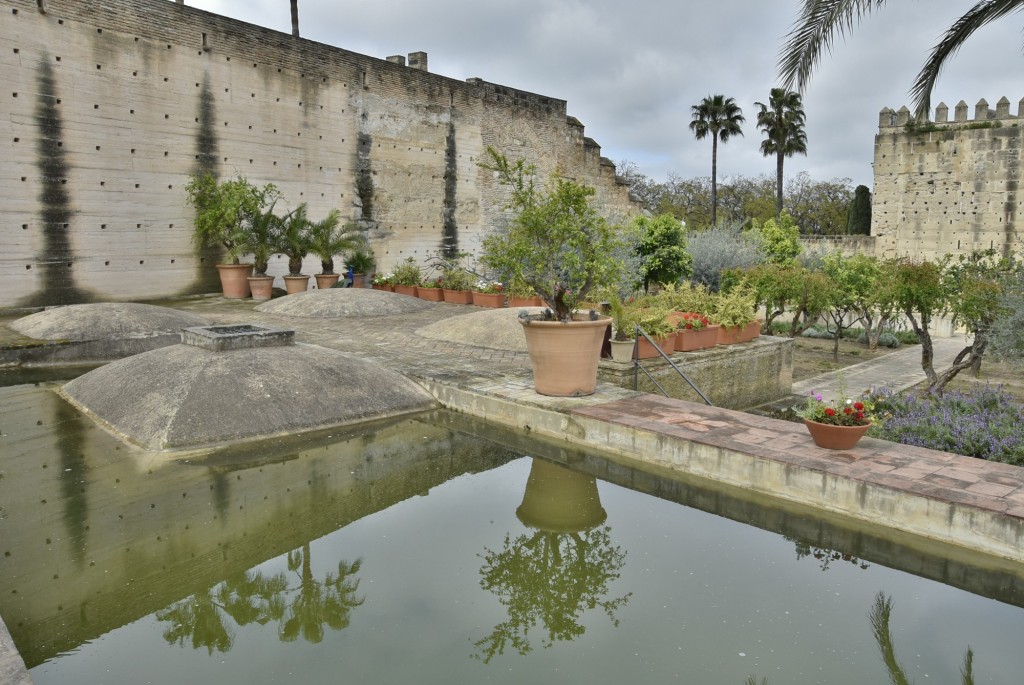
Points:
(638, 367)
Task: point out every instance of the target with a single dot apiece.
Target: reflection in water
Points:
(303, 609)
(554, 574)
(71, 447)
(826, 555)
(879, 615)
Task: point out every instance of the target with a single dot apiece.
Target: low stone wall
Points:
(733, 376)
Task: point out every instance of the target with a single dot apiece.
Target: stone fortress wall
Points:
(109, 106)
(948, 186)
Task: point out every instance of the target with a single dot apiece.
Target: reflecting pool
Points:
(416, 551)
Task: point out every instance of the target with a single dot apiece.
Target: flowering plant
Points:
(848, 412)
(383, 279)
(432, 283)
(490, 287)
(691, 321)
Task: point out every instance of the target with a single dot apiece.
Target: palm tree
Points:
(821, 20)
(295, 18)
(721, 117)
(330, 237)
(782, 122)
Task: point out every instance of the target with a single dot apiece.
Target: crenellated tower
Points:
(948, 185)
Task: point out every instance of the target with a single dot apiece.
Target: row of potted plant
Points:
(682, 319)
(240, 217)
(454, 284)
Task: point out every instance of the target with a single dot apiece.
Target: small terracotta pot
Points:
(646, 350)
(533, 301)
(325, 281)
(296, 284)
(458, 296)
(729, 335)
(409, 290)
(358, 280)
(430, 294)
(262, 287)
(688, 340)
(833, 437)
(383, 286)
(495, 300)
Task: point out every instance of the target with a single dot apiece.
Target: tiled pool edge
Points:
(12, 666)
(871, 483)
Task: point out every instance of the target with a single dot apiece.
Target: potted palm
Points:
(222, 210)
(263, 234)
(294, 244)
(556, 243)
(330, 237)
(361, 262)
(624, 325)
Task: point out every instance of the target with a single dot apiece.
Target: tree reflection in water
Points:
(204, 619)
(554, 574)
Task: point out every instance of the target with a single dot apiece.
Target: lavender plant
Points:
(984, 423)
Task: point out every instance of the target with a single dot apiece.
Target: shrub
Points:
(984, 423)
(718, 249)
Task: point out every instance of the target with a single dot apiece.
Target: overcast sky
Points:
(630, 71)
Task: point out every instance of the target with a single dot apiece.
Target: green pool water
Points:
(437, 550)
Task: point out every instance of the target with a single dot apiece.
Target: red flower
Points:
(859, 406)
(847, 410)
(829, 411)
(860, 415)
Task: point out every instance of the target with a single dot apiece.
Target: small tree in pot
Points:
(263, 236)
(329, 237)
(361, 261)
(556, 243)
(295, 244)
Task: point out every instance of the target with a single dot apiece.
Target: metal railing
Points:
(638, 367)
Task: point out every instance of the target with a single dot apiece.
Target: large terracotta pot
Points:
(262, 287)
(835, 437)
(325, 281)
(458, 296)
(565, 356)
(296, 284)
(234, 280)
(496, 300)
(409, 290)
(430, 294)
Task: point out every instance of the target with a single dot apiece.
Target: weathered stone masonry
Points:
(948, 186)
(108, 106)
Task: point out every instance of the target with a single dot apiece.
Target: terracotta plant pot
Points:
(560, 500)
(729, 335)
(296, 284)
(496, 300)
(325, 281)
(384, 287)
(261, 287)
(458, 296)
(358, 280)
(645, 350)
(708, 336)
(565, 356)
(622, 351)
(430, 294)
(833, 437)
(688, 340)
(409, 290)
(234, 280)
(750, 331)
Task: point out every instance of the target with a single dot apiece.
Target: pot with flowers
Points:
(383, 281)
(489, 294)
(431, 290)
(836, 425)
(557, 244)
(407, 276)
(457, 284)
(694, 332)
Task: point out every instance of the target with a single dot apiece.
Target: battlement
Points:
(984, 116)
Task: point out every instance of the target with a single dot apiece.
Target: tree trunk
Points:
(295, 18)
(714, 179)
(927, 349)
(778, 185)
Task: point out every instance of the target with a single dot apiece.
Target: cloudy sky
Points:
(630, 71)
